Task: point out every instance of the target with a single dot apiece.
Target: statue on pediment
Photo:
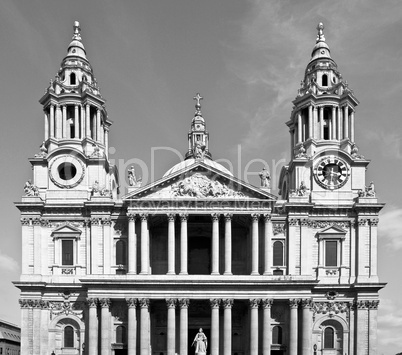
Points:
(199, 150)
(30, 189)
(265, 178)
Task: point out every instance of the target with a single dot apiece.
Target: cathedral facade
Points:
(199, 260)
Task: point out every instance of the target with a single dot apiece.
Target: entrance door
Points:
(191, 335)
(277, 352)
(120, 352)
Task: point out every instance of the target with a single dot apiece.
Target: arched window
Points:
(121, 334)
(329, 338)
(121, 252)
(69, 337)
(72, 79)
(324, 80)
(277, 335)
(278, 253)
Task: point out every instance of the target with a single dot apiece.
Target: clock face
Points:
(331, 172)
(66, 171)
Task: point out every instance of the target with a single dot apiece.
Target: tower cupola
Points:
(323, 115)
(74, 108)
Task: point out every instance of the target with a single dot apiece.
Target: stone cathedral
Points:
(199, 261)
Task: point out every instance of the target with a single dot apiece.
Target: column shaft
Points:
(339, 123)
(215, 244)
(98, 126)
(132, 245)
(333, 122)
(82, 122)
(352, 126)
(267, 244)
(254, 326)
(183, 326)
(266, 339)
(144, 327)
(227, 326)
(144, 244)
(46, 117)
(346, 121)
(107, 141)
(76, 123)
(310, 121)
(228, 244)
(315, 124)
(293, 327)
(321, 122)
(171, 326)
(105, 322)
(52, 123)
(183, 245)
(88, 120)
(306, 327)
(132, 327)
(171, 244)
(66, 134)
(59, 123)
(254, 245)
(214, 326)
(299, 128)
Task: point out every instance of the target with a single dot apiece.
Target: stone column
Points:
(333, 122)
(362, 332)
(107, 245)
(352, 126)
(254, 244)
(94, 245)
(98, 126)
(339, 123)
(82, 121)
(107, 141)
(37, 245)
(299, 128)
(306, 327)
(373, 246)
(65, 133)
(321, 122)
(227, 326)
(362, 249)
(293, 226)
(46, 119)
(44, 328)
(25, 331)
(144, 244)
(183, 303)
(315, 124)
(105, 323)
(183, 246)
(215, 245)
(59, 123)
(373, 307)
(144, 326)
(51, 122)
(293, 303)
(36, 311)
(268, 232)
(310, 121)
(254, 326)
(132, 326)
(171, 245)
(266, 327)
(92, 327)
(76, 122)
(132, 244)
(88, 120)
(171, 326)
(228, 244)
(346, 121)
(215, 326)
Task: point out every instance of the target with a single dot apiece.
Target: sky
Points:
(245, 57)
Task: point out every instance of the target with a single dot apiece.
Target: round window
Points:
(67, 171)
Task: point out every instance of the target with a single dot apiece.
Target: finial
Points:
(320, 35)
(198, 98)
(77, 31)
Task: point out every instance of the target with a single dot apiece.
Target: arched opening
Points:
(73, 79)
(121, 334)
(326, 124)
(329, 338)
(277, 335)
(68, 336)
(121, 253)
(324, 80)
(278, 253)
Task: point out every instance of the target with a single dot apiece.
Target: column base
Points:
(215, 273)
(227, 273)
(170, 273)
(255, 273)
(144, 273)
(183, 273)
(131, 273)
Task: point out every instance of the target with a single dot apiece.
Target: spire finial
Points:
(77, 31)
(198, 98)
(320, 35)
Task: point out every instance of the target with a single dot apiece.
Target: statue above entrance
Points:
(200, 342)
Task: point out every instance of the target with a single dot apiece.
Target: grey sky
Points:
(246, 58)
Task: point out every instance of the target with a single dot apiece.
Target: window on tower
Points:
(67, 252)
(278, 253)
(331, 253)
(324, 80)
(121, 258)
(73, 79)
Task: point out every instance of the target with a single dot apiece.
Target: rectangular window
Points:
(67, 252)
(331, 253)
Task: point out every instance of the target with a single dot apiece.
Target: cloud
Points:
(7, 263)
(390, 143)
(389, 227)
(389, 324)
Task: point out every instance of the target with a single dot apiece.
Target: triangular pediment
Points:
(199, 181)
(66, 229)
(332, 231)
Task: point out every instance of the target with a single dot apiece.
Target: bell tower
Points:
(324, 156)
(73, 157)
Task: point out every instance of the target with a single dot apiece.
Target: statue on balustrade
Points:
(200, 342)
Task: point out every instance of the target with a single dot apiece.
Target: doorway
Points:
(199, 255)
